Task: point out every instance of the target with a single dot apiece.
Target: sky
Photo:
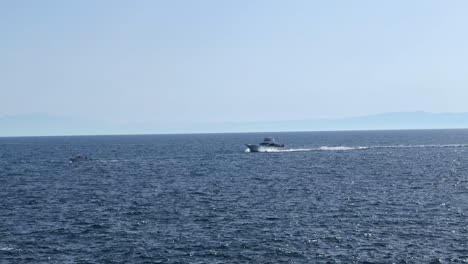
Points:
(231, 61)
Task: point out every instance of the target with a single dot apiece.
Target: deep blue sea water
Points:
(333, 197)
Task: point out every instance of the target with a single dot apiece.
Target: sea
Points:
(330, 197)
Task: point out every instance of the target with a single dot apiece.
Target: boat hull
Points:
(259, 148)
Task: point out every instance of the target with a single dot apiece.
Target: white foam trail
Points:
(112, 160)
(288, 150)
(310, 149)
(270, 150)
(350, 148)
(341, 148)
(424, 146)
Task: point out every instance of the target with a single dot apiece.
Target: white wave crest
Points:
(9, 249)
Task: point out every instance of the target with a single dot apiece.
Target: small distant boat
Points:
(268, 144)
(79, 158)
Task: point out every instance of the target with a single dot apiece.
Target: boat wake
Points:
(348, 148)
(284, 150)
(342, 148)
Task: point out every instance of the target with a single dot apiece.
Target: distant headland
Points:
(44, 125)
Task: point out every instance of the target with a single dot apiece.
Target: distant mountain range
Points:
(41, 125)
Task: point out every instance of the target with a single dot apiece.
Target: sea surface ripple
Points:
(342, 197)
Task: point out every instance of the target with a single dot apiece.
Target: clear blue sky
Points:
(231, 61)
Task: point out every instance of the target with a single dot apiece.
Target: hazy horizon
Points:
(211, 62)
(37, 125)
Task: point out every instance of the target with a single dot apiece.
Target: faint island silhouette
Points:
(44, 125)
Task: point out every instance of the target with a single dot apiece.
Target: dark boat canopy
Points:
(270, 142)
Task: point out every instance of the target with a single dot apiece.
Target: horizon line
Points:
(243, 132)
